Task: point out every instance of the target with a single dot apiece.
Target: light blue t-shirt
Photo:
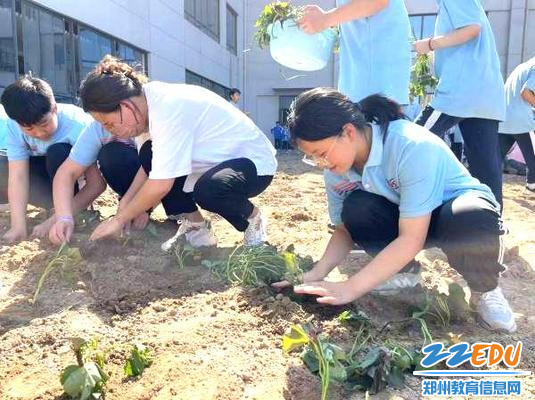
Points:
(519, 116)
(470, 81)
(413, 168)
(85, 151)
(375, 54)
(3, 130)
(72, 121)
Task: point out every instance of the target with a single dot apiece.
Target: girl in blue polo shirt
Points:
(411, 191)
(519, 123)
(470, 89)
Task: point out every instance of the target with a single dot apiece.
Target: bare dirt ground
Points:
(210, 340)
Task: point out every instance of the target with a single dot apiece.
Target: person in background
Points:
(412, 192)
(278, 135)
(519, 121)
(470, 90)
(234, 96)
(40, 135)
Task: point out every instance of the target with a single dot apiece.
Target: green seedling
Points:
(256, 265)
(277, 11)
(65, 259)
(186, 253)
(319, 355)
(140, 358)
(422, 78)
(86, 379)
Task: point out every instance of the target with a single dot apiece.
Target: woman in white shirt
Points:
(203, 152)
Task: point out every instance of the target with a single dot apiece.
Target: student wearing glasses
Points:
(203, 153)
(410, 191)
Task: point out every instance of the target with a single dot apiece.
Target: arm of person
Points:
(64, 205)
(528, 90)
(18, 193)
(411, 239)
(528, 96)
(315, 19)
(150, 194)
(454, 38)
(94, 187)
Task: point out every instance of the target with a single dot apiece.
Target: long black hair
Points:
(322, 112)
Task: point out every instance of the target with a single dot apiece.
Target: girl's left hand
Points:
(111, 227)
(314, 20)
(334, 293)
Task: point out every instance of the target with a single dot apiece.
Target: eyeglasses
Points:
(323, 161)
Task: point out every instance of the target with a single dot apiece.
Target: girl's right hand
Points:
(15, 235)
(61, 232)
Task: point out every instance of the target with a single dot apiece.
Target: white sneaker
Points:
(494, 312)
(197, 234)
(530, 186)
(255, 234)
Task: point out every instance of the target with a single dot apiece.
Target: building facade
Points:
(195, 41)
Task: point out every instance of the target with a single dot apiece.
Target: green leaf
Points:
(310, 359)
(82, 382)
(296, 338)
(395, 377)
(359, 317)
(140, 358)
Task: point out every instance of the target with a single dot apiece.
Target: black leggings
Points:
(480, 144)
(119, 163)
(224, 189)
(42, 172)
(526, 147)
(466, 228)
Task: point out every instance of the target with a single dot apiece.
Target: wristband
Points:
(429, 44)
(65, 218)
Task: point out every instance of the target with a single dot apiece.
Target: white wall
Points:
(159, 27)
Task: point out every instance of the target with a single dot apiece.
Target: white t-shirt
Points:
(193, 129)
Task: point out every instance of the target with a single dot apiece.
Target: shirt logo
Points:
(393, 184)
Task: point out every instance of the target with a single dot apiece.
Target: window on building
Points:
(423, 25)
(232, 30)
(195, 79)
(7, 44)
(46, 48)
(284, 108)
(55, 48)
(93, 46)
(129, 54)
(204, 14)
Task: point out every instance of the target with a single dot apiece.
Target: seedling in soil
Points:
(86, 379)
(186, 254)
(65, 259)
(257, 265)
(320, 356)
(140, 358)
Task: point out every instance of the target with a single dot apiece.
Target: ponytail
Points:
(380, 110)
(322, 112)
(110, 82)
